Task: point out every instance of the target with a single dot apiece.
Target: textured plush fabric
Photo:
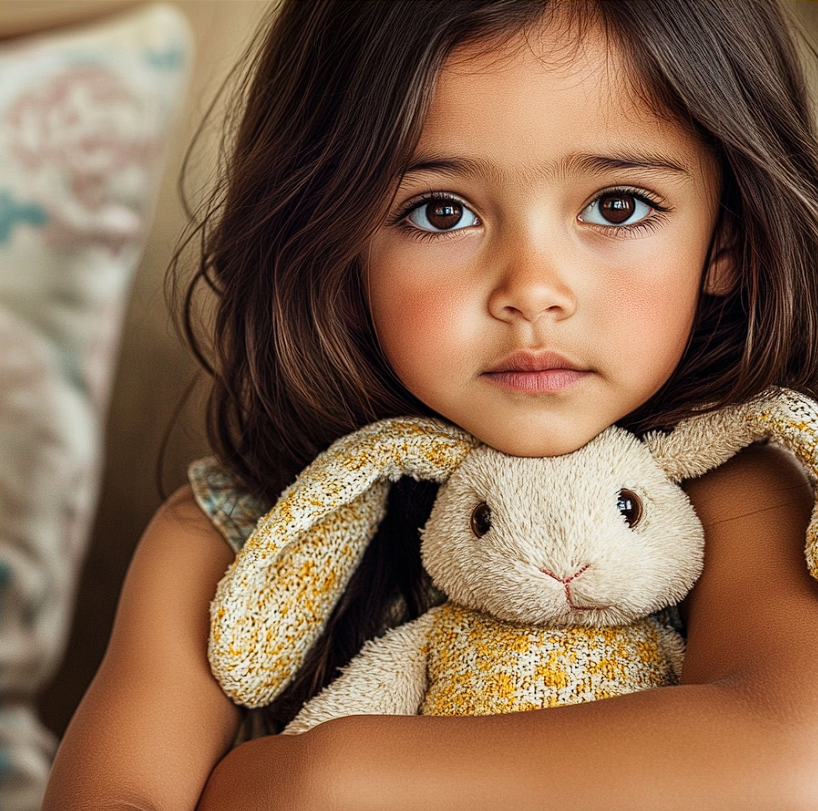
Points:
(457, 661)
(278, 594)
(479, 665)
(559, 551)
(551, 588)
(84, 115)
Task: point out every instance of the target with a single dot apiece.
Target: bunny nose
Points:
(566, 582)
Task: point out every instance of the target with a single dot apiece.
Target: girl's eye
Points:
(630, 507)
(617, 208)
(481, 519)
(441, 215)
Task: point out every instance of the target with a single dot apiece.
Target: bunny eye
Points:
(481, 519)
(630, 506)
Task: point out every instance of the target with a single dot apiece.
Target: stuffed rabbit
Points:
(543, 572)
(552, 567)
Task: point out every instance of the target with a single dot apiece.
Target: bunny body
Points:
(479, 665)
(458, 661)
(550, 587)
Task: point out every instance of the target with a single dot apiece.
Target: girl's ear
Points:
(701, 443)
(275, 599)
(721, 274)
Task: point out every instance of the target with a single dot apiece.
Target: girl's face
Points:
(538, 274)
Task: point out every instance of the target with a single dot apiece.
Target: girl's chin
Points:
(534, 441)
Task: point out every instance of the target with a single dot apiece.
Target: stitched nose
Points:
(565, 580)
(566, 584)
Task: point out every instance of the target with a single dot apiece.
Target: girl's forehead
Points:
(563, 56)
(548, 93)
(556, 40)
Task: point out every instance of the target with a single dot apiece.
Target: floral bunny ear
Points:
(701, 443)
(275, 599)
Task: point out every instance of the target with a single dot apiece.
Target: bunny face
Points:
(599, 536)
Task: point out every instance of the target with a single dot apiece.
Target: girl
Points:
(535, 220)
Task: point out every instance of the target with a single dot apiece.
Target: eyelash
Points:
(400, 218)
(648, 222)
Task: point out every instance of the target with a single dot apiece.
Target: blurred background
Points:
(150, 371)
(154, 370)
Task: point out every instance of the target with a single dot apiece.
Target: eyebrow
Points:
(578, 162)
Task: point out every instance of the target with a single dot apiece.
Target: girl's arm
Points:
(154, 721)
(741, 732)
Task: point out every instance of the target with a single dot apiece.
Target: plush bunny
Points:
(552, 566)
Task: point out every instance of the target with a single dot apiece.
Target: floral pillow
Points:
(84, 116)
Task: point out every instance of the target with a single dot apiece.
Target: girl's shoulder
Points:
(761, 477)
(229, 506)
(755, 509)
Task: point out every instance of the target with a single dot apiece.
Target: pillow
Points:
(84, 115)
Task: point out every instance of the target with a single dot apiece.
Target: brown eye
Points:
(617, 208)
(630, 506)
(444, 214)
(438, 215)
(481, 519)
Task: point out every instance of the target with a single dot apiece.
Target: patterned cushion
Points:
(84, 114)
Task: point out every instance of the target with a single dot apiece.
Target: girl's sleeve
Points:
(229, 505)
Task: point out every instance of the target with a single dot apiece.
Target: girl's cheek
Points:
(416, 324)
(415, 290)
(648, 316)
(426, 315)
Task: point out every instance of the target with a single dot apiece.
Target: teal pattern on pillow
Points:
(14, 213)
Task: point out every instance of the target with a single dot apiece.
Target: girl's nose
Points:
(531, 284)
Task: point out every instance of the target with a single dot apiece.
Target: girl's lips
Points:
(547, 380)
(536, 372)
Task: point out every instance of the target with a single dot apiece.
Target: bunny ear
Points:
(277, 595)
(702, 443)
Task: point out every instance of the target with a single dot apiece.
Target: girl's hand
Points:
(740, 732)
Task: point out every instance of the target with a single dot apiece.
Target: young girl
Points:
(534, 220)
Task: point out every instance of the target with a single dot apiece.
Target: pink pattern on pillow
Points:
(88, 137)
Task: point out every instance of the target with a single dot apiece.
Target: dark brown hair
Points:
(332, 111)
